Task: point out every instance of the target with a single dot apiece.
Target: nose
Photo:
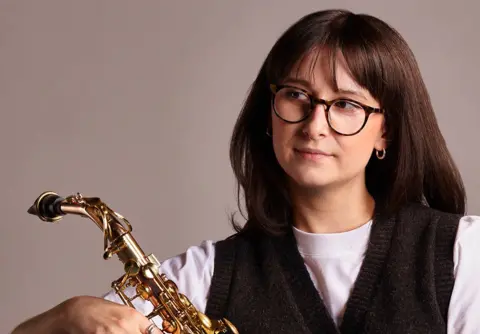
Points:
(316, 126)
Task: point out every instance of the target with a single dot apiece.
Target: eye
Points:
(347, 105)
(295, 94)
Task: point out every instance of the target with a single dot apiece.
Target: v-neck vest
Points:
(261, 284)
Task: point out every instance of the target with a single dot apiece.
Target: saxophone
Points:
(141, 271)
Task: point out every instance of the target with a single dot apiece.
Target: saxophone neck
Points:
(51, 207)
(97, 211)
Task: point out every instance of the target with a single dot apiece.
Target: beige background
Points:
(134, 101)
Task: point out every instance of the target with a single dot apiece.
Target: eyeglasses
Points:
(344, 116)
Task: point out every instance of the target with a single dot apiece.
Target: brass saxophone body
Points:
(141, 271)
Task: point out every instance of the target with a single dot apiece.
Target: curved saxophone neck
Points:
(96, 210)
(51, 207)
(87, 207)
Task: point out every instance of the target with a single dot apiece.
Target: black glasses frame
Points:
(316, 101)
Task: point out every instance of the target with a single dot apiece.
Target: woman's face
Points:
(310, 152)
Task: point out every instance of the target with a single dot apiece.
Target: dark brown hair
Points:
(418, 166)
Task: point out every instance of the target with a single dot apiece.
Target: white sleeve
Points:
(191, 271)
(464, 309)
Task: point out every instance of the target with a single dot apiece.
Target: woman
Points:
(355, 210)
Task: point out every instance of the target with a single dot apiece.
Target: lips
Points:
(312, 151)
(312, 155)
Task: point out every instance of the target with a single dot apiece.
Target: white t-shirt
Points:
(333, 261)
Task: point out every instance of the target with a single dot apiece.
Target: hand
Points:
(82, 315)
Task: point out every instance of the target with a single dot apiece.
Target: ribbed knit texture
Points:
(218, 294)
(404, 285)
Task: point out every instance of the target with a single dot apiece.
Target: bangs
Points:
(359, 44)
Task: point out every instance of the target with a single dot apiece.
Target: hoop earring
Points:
(382, 156)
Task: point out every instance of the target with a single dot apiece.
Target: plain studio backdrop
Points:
(135, 101)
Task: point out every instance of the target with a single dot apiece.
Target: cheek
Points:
(283, 135)
(355, 153)
(357, 150)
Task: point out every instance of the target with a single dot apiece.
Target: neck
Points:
(332, 210)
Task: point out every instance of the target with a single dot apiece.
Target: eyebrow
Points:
(340, 90)
(351, 92)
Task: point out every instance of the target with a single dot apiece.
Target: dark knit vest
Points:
(260, 283)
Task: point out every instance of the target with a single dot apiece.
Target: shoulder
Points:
(465, 299)
(467, 242)
(437, 223)
(190, 270)
(193, 261)
(419, 210)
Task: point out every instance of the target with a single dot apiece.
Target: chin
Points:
(312, 180)
(314, 185)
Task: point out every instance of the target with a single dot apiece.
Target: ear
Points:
(381, 142)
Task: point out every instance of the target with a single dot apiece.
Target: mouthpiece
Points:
(32, 210)
(47, 207)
